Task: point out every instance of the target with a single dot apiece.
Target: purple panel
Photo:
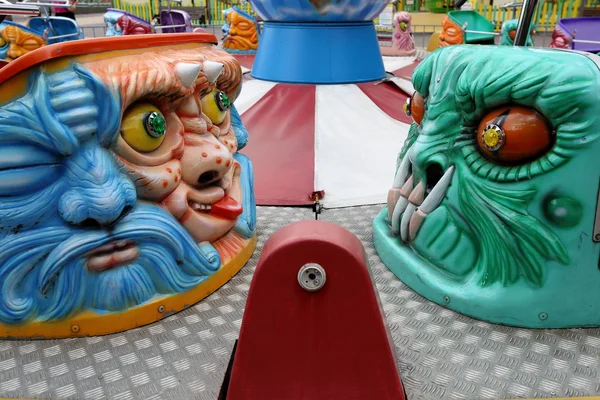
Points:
(584, 28)
(174, 18)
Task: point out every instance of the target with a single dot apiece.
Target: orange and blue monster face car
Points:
(122, 192)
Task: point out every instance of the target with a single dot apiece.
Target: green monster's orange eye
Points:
(514, 134)
(415, 107)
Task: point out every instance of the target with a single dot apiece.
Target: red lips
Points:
(227, 208)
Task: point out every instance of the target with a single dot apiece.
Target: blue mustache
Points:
(52, 260)
(143, 224)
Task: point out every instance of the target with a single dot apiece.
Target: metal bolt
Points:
(543, 316)
(311, 277)
(75, 328)
(161, 309)
(446, 299)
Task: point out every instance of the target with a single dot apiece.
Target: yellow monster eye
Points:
(143, 127)
(215, 106)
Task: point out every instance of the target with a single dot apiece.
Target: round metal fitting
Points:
(311, 277)
(156, 125)
(493, 137)
(223, 101)
(446, 299)
(543, 316)
(407, 106)
(75, 328)
(161, 309)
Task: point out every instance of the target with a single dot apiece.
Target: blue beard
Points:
(43, 273)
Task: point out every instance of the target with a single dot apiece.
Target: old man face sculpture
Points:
(121, 183)
(493, 209)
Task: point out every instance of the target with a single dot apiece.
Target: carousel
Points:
(301, 214)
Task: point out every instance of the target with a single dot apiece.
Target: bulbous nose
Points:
(98, 195)
(205, 163)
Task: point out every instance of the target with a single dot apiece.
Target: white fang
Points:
(187, 73)
(212, 70)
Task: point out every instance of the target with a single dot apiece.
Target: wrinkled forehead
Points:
(117, 68)
(59, 104)
(119, 71)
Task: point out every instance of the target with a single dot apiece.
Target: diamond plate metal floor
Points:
(442, 355)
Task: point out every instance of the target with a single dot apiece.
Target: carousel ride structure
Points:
(489, 214)
(338, 33)
(17, 40)
(325, 60)
(121, 23)
(581, 34)
(174, 21)
(508, 33)
(470, 27)
(241, 32)
(123, 195)
(403, 42)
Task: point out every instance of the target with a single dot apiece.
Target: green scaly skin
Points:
(510, 244)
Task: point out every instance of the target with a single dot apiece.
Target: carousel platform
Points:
(442, 355)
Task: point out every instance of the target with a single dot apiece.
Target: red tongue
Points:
(226, 208)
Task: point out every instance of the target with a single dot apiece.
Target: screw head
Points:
(543, 316)
(311, 277)
(446, 299)
(161, 309)
(75, 328)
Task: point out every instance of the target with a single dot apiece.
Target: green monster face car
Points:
(493, 211)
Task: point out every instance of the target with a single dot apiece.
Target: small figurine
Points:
(240, 32)
(560, 39)
(403, 43)
(509, 32)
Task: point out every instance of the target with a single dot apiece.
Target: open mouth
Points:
(410, 202)
(226, 207)
(112, 255)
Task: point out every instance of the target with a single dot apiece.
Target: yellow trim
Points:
(92, 324)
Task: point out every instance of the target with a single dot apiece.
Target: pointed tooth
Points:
(402, 173)
(398, 210)
(435, 197)
(187, 73)
(415, 223)
(417, 195)
(407, 187)
(212, 70)
(392, 199)
(410, 209)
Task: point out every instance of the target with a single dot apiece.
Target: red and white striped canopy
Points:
(340, 139)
